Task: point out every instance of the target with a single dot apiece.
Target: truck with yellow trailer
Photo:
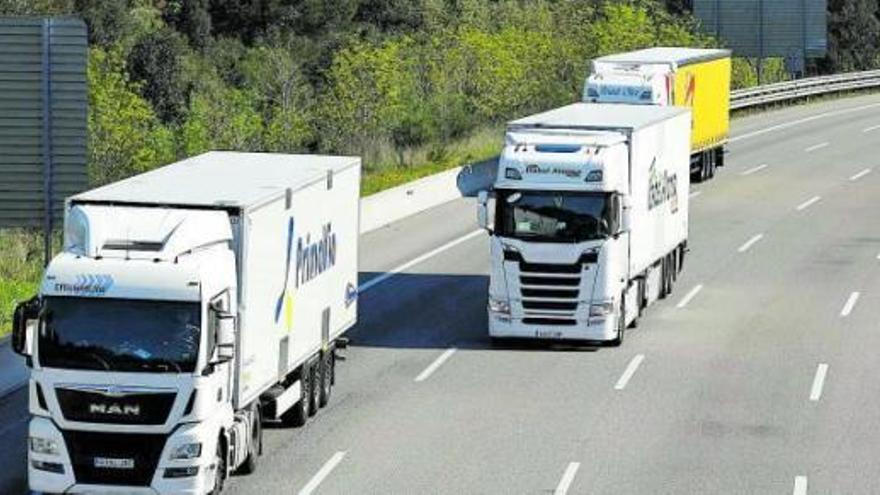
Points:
(684, 77)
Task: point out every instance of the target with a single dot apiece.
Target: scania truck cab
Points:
(184, 311)
(590, 220)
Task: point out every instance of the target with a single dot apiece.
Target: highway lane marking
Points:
(322, 473)
(800, 485)
(849, 305)
(567, 477)
(424, 375)
(694, 194)
(755, 169)
(364, 287)
(818, 382)
(629, 372)
(872, 128)
(810, 202)
(798, 122)
(749, 243)
(816, 147)
(690, 295)
(860, 174)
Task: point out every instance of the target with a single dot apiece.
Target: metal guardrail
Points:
(800, 88)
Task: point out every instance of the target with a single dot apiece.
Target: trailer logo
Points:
(690, 90)
(285, 300)
(86, 284)
(662, 188)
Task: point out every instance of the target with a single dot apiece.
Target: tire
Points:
(255, 447)
(315, 398)
(327, 364)
(219, 469)
(664, 275)
(621, 324)
(299, 414)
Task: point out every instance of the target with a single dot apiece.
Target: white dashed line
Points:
(751, 242)
(409, 264)
(872, 128)
(849, 305)
(816, 147)
(322, 473)
(690, 295)
(755, 169)
(424, 375)
(567, 478)
(694, 194)
(629, 372)
(810, 202)
(800, 485)
(818, 382)
(860, 174)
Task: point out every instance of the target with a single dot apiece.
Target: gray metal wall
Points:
(789, 26)
(26, 144)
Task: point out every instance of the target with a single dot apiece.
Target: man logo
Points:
(115, 409)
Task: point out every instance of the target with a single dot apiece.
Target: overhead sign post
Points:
(43, 120)
(796, 30)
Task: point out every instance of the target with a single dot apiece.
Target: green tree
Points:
(853, 36)
(155, 62)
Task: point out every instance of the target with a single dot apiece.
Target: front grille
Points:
(565, 322)
(143, 449)
(564, 281)
(551, 293)
(550, 305)
(548, 268)
(129, 409)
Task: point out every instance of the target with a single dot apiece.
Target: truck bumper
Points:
(57, 474)
(594, 330)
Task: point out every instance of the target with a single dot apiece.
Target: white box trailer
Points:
(591, 219)
(189, 304)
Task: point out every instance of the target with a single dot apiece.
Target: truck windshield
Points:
(554, 216)
(119, 335)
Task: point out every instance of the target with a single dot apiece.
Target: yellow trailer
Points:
(687, 77)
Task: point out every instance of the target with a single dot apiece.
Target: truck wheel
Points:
(621, 323)
(300, 412)
(219, 469)
(664, 275)
(255, 447)
(327, 364)
(315, 397)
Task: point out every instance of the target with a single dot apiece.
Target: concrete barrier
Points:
(391, 205)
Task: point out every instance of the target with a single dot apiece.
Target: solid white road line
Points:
(629, 372)
(797, 122)
(755, 169)
(872, 128)
(567, 478)
(818, 382)
(860, 174)
(322, 473)
(810, 202)
(424, 375)
(690, 295)
(749, 243)
(694, 194)
(409, 264)
(849, 305)
(800, 485)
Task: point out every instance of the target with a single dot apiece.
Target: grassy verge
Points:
(21, 256)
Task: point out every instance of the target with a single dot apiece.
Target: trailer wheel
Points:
(327, 364)
(664, 276)
(315, 397)
(300, 412)
(255, 447)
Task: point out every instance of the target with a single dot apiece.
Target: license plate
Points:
(548, 334)
(111, 463)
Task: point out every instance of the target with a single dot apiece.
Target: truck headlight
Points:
(499, 306)
(601, 310)
(187, 451)
(43, 446)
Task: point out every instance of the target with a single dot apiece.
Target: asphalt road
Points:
(758, 375)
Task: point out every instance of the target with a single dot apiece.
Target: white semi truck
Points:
(190, 304)
(591, 220)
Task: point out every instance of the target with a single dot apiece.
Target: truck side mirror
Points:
(483, 209)
(625, 218)
(24, 325)
(225, 332)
